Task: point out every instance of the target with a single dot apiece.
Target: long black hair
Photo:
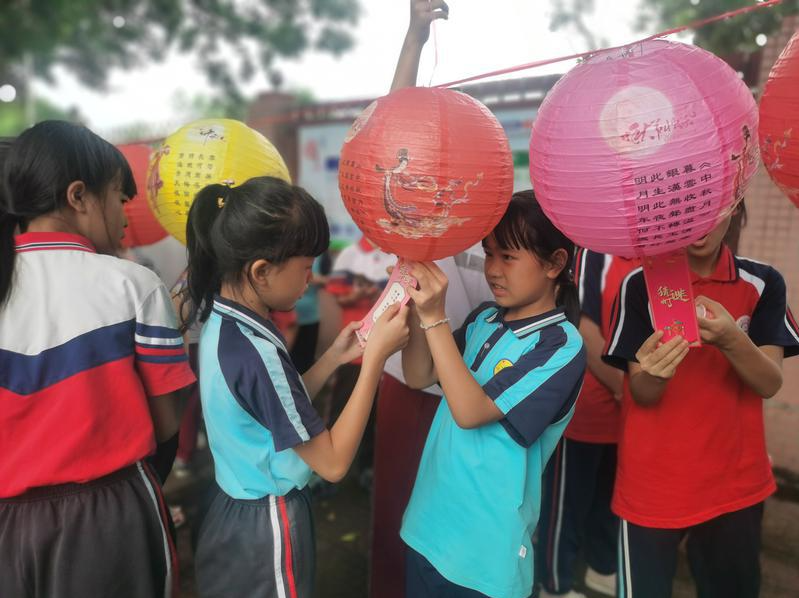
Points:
(525, 227)
(231, 227)
(39, 167)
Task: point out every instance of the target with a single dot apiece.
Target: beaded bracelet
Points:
(433, 325)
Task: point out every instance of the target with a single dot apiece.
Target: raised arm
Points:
(423, 13)
(417, 361)
(471, 407)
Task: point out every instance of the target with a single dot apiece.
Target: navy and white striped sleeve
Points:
(268, 387)
(589, 266)
(160, 356)
(542, 386)
(772, 321)
(630, 323)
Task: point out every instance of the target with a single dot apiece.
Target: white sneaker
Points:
(604, 584)
(570, 594)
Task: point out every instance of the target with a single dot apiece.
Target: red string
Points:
(537, 63)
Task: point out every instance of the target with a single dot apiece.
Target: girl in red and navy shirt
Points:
(692, 451)
(90, 361)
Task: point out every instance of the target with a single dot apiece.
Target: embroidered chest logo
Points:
(501, 365)
(743, 323)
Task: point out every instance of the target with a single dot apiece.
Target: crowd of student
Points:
(526, 409)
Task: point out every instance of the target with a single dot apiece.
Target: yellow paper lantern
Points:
(214, 150)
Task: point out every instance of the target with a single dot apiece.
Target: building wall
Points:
(772, 235)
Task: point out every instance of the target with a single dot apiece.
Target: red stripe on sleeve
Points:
(166, 350)
(792, 320)
(614, 319)
(163, 378)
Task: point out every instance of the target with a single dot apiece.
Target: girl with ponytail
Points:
(510, 375)
(90, 365)
(251, 250)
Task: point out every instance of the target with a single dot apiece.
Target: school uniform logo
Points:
(501, 365)
(743, 323)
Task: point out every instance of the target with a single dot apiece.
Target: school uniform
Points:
(85, 339)
(256, 540)
(578, 481)
(695, 463)
(477, 495)
(404, 417)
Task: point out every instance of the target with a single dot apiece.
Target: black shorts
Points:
(261, 548)
(104, 538)
(422, 580)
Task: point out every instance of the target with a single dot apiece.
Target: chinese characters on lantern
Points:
(193, 172)
(350, 186)
(669, 200)
(656, 130)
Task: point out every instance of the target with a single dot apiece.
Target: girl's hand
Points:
(346, 346)
(389, 334)
(430, 297)
(717, 328)
(661, 361)
(423, 13)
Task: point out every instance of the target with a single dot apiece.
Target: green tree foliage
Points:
(724, 38)
(233, 40)
(736, 36)
(12, 117)
(571, 14)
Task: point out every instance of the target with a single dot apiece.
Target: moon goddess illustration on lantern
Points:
(425, 174)
(405, 218)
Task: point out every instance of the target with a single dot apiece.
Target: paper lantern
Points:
(199, 154)
(426, 173)
(143, 228)
(779, 121)
(643, 150)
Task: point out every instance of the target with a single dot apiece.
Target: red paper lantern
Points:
(426, 173)
(779, 121)
(143, 228)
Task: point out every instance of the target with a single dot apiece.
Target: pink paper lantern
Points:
(643, 150)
